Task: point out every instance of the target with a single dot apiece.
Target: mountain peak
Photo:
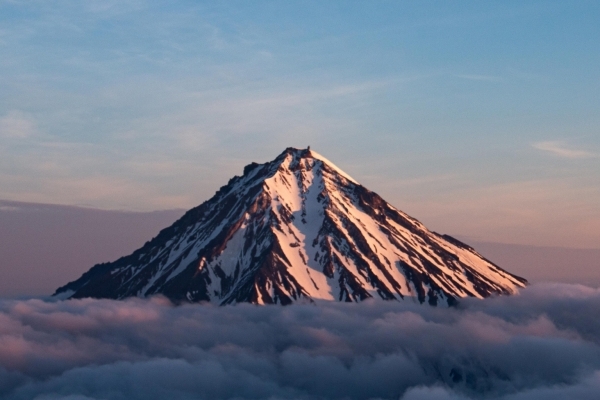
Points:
(295, 156)
(297, 228)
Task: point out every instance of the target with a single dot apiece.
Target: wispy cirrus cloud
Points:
(560, 149)
(475, 77)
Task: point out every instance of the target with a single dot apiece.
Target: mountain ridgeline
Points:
(297, 229)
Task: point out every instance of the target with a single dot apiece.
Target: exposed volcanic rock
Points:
(297, 228)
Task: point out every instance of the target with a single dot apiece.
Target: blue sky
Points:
(479, 118)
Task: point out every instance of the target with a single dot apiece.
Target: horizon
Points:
(72, 239)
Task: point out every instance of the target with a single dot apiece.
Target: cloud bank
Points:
(542, 344)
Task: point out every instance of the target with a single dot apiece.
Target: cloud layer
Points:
(544, 343)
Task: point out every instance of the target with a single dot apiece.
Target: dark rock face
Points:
(297, 228)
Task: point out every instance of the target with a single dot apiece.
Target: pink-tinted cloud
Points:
(543, 342)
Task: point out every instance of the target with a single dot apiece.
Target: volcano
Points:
(297, 228)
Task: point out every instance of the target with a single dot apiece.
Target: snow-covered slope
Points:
(297, 228)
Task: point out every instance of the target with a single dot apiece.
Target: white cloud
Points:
(17, 125)
(486, 78)
(558, 148)
(543, 343)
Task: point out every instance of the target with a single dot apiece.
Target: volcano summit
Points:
(297, 228)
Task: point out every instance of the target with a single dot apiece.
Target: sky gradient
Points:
(479, 119)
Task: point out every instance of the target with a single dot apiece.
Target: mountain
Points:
(297, 229)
